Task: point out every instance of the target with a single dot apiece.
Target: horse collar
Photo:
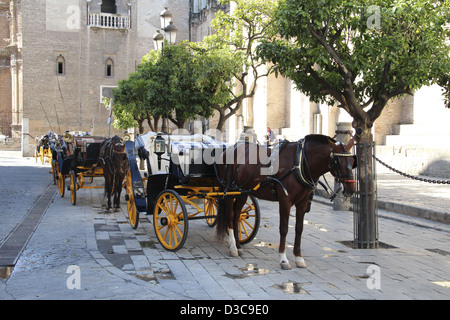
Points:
(301, 166)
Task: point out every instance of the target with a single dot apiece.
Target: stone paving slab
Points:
(415, 266)
(202, 269)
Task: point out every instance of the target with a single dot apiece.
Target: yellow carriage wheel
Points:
(249, 220)
(211, 209)
(170, 220)
(133, 214)
(36, 155)
(61, 182)
(73, 187)
(41, 154)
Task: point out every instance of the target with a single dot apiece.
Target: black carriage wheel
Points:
(73, 187)
(170, 220)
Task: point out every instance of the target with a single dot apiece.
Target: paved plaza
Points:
(82, 252)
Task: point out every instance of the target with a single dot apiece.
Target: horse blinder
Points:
(336, 166)
(355, 161)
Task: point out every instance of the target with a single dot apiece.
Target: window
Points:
(106, 91)
(109, 71)
(60, 65)
(109, 6)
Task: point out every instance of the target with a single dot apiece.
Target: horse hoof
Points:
(300, 262)
(285, 265)
(240, 252)
(234, 253)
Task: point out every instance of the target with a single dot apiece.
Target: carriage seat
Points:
(185, 151)
(196, 158)
(88, 149)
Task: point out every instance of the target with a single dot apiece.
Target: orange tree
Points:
(359, 54)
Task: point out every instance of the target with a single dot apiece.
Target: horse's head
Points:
(118, 155)
(118, 147)
(342, 162)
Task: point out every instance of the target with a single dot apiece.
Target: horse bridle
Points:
(335, 165)
(112, 150)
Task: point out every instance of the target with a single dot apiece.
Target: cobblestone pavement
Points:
(114, 261)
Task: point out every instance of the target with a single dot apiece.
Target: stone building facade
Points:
(59, 57)
(10, 69)
(412, 133)
(63, 56)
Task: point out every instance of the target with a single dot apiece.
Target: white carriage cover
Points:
(182, 149)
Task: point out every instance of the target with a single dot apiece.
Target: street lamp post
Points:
(170, 34)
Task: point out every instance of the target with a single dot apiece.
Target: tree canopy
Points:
(361, 53)
(178, 83)
(237, 33)
(188, 80)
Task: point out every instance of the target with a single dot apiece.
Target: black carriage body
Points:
(183, 164)
(81, 152)
(188, 168)
(86, 151)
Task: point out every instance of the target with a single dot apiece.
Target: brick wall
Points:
(390, 117)
(72, 101)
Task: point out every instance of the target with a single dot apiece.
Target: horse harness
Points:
(301, 167)
(301, 171)
(271, 180)
(109, 151)
(303, 175)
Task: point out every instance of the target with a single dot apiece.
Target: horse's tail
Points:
(221, 226)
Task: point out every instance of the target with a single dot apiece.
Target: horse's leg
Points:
(229, 223)
(117, 190)
(299, 215)
(116, 200)
(237, 210)
(108, 194)
(285, 208)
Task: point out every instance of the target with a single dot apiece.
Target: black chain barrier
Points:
(411, 176)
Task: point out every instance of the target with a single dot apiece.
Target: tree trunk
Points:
(366, 225)
(222, 119)
(141, 127)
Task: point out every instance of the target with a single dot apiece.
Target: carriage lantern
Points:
(160, 148)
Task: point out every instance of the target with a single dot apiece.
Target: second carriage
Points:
(179, 185)
(75, 157)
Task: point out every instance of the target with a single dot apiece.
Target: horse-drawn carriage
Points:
(43, 150)
(180, 185)
(76, 157)
(222, 182)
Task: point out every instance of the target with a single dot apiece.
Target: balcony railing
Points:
(108, 20)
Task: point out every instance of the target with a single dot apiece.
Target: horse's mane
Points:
(319, 138)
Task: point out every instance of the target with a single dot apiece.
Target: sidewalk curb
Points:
(401, 208)
(413, 211)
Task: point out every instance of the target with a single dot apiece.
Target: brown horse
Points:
(288, 174)
(114, 161)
